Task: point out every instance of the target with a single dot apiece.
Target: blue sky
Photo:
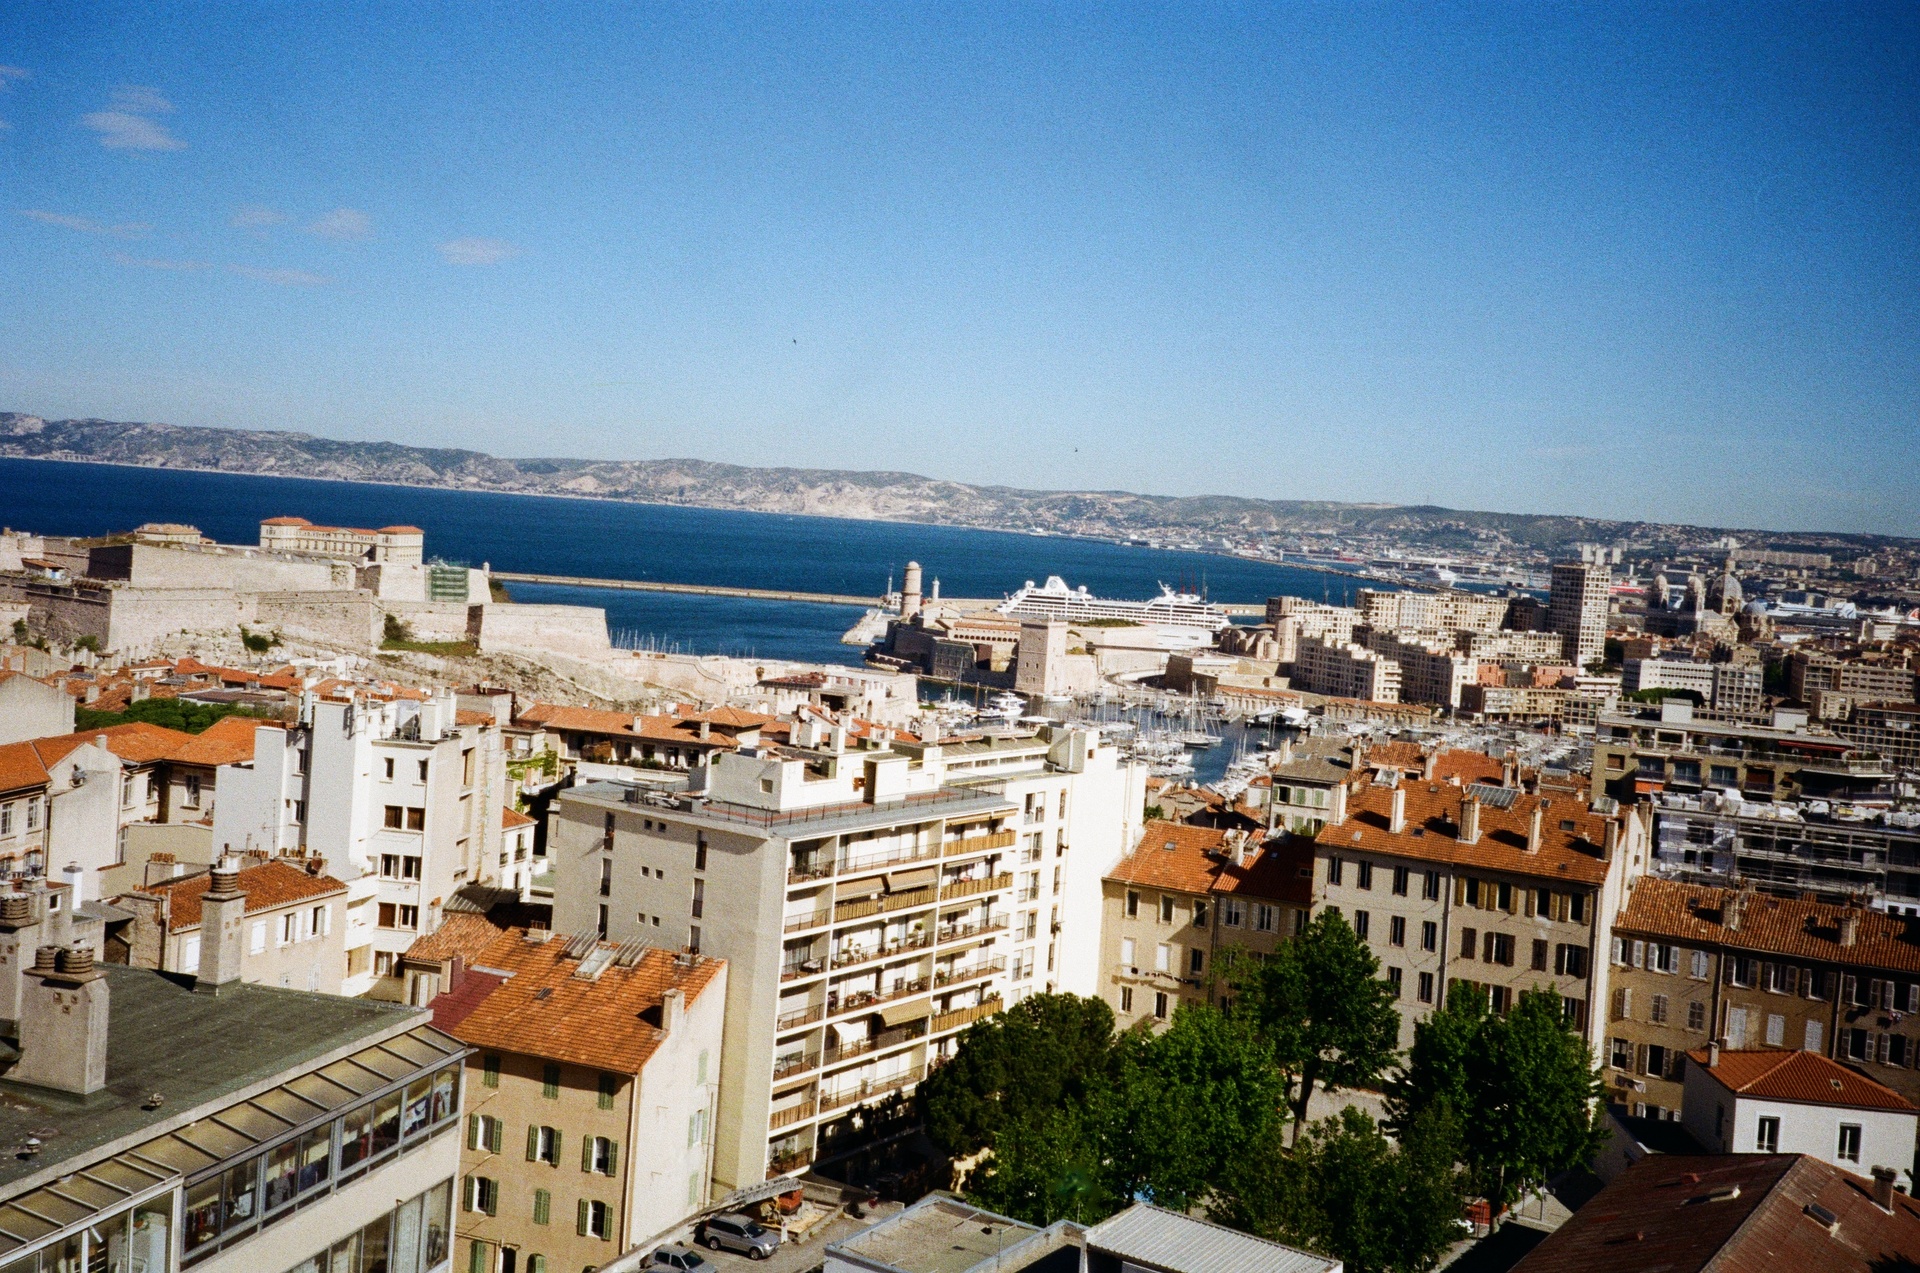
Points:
(1629, 261)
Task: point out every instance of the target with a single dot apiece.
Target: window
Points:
(606, 877)
(1361, 922)
(1199, 914)
(1429, 935)
(1230, 912)
(1126, 998)
(1334, 871)
(1539, 955)
(550, 1081)
(1425, 991)
(388, 762)
(1363, 878)
(1657, 1061)
(697, 1128)
(700, 854)
(485, 1132)
(543, 1145)
(482, 1195)
(396, 817)
(1498, 949)
(1397, 931)
(320, 925)
(1577, 908)
(596, 1219)
(1393, 979)
(423, 771)
(1166, 909)
(1133, 904)
(1570, 961)
(1767, 1139)
(1697, 965)
(1697, 1018)
(1430, 887)
(490, 1071)
(542, 1207)
(1469, 942)
(1160, 1006)
(1400, 877)
(602, 1156)
(1161, 955)
(1620, 1054)
(610, 1084)
(416, 819)
(1849, 1148)
(257, 937)
(1196, 961)
(1126, 953)
(1776, 1030)
(1263, 917)
(1657, 1009)
(1815, 1035)
(289, 928)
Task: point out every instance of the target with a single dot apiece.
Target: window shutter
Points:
(496, 1134)
(533, 1142)
(466, 1194)
(491, 1196)
(473, 1131)
(490, 1071)
(1639, 959)
(477, 1258)
(582, 1221)
(542, 1206)
(536, 1264)
(556, 1146)
(613, 1158)
(586, 1153)
(1618, 956)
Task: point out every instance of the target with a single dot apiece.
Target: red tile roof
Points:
(683, 730)
(268, 886)
(460, 933)
(21, 767)
(542, 1009)
(136, 742)
(1797, 1076)
(457, 1004)
(1199, 860)
(1732, 1213)
(1770, 925)
(1572, 835)
(514, 818)
(228, 741)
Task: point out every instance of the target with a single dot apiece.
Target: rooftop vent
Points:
(1823, 1217)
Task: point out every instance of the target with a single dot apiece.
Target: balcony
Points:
(882, 904)
(796, 1063)
(964, 1016)
(867, 1000)
(854, 958)
(796, 969)
(968, 888)
(874, 1043)
(979, 968)
(780, 1164)
(799, 1017)
(891, 857)
(799, 923)
(960, 932)
(802, 872)
(868, 1090)
(977, 843)
(788, 1117)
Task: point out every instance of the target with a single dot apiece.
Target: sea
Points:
(607, 539)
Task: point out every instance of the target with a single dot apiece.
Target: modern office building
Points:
(1577, 609)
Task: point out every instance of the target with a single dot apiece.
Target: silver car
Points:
(740, 1233)
(680, 1260)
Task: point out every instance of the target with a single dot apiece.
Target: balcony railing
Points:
(794, 1114)
(799, 1017)
(964, 1016)
(867, 1000)
(816, 920)
(960, 932)
(802, 968)
(781, 1164)
(881, 904)
(874, 1043)
(980, 968)
(891, 857)
(854, 958)
(968, 888)
(867, 1091)
(796, 1063)
(977, 843)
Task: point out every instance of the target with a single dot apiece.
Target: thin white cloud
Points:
(138, 99)
(157, 263)
(87, 225)
(8, 74)
(128, 125)
(256, 217)
(343, 223)
(283, 278)
(476, 251)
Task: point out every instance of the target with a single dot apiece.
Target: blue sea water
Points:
(612, 540)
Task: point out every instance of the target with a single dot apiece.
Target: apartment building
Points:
(1728, 688)
(1694, 964)
(1889, 730)
(295, 919)
(679, 742)
(1712, 838)
(1810, 672)
(1577, 609)
(1493, 888)
(1295, 619)
(1448, 610)
(1184, 898)
(400, 798)
(59, 807)
(1344, 669)
(1762, 1101)
(591, 1093)
(1787, 759)
(518, 865)
(863, 906)
(1431, 669)
(326, 1137)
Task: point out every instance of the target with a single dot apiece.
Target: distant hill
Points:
(837, 493)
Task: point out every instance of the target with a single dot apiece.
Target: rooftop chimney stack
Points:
(1397, 818)
(63, 1022)
(223, 922)
(1849, 926)
(1533, 831)
(1426, 765)
(1470, 820)
(1883, 1178)
(1734, 911)
(1611, 841)
(22, 927)
(1713, 1053)
(673, 1006)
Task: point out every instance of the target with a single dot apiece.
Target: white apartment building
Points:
(873, 897)
(1725, 687)
(1342, 669)
(401, 800)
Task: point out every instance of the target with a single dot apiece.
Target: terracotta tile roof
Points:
(466, 716)
(21, 767)
(1467, 766)
(1396, 755)
(542, 1009)
(462, 933)
(457, 1004)
(267, 886)
(684, 730)
(1672, 1212)
(227, 741)
(514, 818)
(1770, 925)
(1200, 861)
(136, 742)
(1797, 1076)
(1571, 834)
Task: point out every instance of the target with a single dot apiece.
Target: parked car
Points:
(739, 1233)
(679, 1257)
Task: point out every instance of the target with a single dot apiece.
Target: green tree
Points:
(1320, 1006)
(1435, 1076)
(1533, 1096)
(1346, 1190)
(1047, 1167)
(1044, 1052)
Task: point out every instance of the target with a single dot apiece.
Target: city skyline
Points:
(1659, 269)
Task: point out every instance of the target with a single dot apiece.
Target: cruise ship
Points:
(1055, 600)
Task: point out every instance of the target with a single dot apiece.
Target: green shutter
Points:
(613, 1158)
(490, 1071)
(477, 1258)
(550, 1082)
(606, 1091)
(583, 1218)
(533, 1142)
(491, 1196)
(556, 1146)
(466, 1194)
(542, 1207)
(473, 1131)
(496, 1135)
(536, 1264)
(586, 1153)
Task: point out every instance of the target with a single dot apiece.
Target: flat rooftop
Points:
(190, 1049)
(938, 1235)
(823, 820)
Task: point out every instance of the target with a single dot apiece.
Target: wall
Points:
(432, 620)
(33, 709)
(157, 566)
(1886, 1136)
(576, 630)
(347, 617)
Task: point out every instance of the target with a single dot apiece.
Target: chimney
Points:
(1470, 820)
(1713, 1053)
(1237, 845)
(706, 730)
(1286, 751)
(1849, 926)
(76, 877)
(1611, 841)
(1732, 911)
(1533, 831)
(1509, 772)
(223, 922)
(1337, 815)
(22, 918)
(63, 1022)
(673, 1006)
(1426, 766)
(1883, 1188)
(1397, 818)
